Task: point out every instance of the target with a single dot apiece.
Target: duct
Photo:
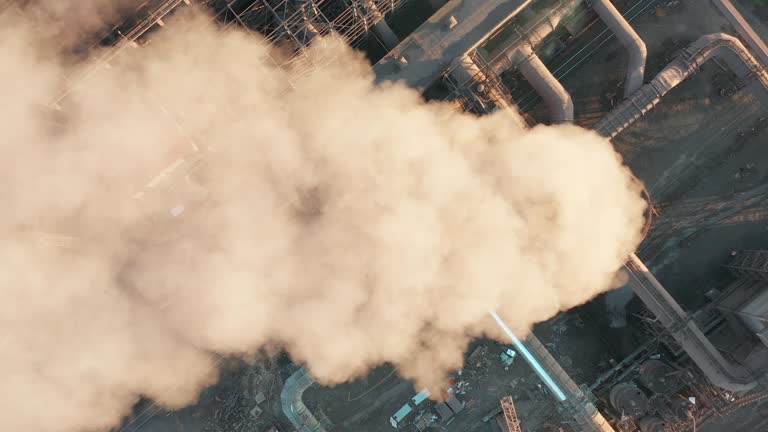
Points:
(685, 331)
(535, 34)
(549, 88)
(726, 48)
(380, 26)
(465, 70)
(293, 407)
(432, 47)
(629, 38)
(522, 57)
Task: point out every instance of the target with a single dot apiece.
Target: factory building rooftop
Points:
(458, 27)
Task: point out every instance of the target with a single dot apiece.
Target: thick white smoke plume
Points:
(350, 223)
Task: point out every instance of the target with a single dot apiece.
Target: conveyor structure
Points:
(726, 48)
(293, 405)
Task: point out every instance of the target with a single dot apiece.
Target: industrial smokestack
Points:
(349, 223)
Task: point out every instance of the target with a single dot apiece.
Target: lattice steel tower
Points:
(510, 414)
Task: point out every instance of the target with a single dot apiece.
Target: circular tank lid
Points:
(652, 424)
(628, 399)
(658, 377)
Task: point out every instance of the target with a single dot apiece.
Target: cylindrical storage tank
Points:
(658, 377)
(628, 400)
(652, 424)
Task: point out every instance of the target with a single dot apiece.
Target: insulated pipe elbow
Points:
(631, 41)
(558, 100)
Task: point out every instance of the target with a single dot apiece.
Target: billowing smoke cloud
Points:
(63, 23)
(350, 223)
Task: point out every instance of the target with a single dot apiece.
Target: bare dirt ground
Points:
(702, 160)
(752, 418)
(367, 404)
(224, 407)
(756, 12)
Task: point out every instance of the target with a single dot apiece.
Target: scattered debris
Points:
(424, 420)
(559, 329)
(475, 358)
(241, 403)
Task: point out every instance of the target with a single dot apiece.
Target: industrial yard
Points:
(680, 89)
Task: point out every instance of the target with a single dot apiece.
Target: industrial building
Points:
(691, 365)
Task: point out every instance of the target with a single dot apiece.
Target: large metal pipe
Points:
(464, 70)
(549, 88)
(537, 32)
(745, 30)
(453, 31)
(685, 331)
(293, 405)
(726, 48)
(631, 41)
(380, 26)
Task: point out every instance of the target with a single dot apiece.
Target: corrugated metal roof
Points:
(421, 397)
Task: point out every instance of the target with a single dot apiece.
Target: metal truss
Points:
(510, 414)
(301, 20)
(154, 17)
(296, 21)
(750, 264)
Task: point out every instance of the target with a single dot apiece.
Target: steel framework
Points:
(510, 414)
(750, 264)
(494, 92)
(154, 17)
(300, 20)
(721, 46)
(295, 21)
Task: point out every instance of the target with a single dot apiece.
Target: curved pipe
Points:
(631, 41)
(726, 48)
(717, 369)
(536, 33)
(549, 88)
(293, 407)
